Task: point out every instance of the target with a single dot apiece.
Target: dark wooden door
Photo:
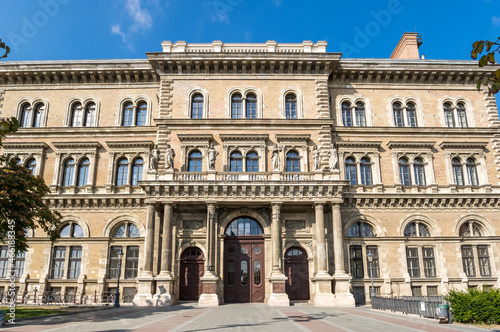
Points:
(244, 269)
(297, 271)
(192, 270)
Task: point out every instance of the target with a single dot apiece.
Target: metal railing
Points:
(71, 298)
(425, 306)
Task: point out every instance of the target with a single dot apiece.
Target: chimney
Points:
(408, 45)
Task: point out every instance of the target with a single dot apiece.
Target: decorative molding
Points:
(112, 202)
(412, 145)
(292, 138)
(247, 138)
(463, 145)
(130, 145)
(295, 224)
(77, 145)
(346, 145)
(192, 224)
(270, 46)
(195, 138)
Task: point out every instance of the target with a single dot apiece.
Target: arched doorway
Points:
(244, 262)
(191, 271)
(297, 271)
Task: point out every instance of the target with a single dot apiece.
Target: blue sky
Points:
(127, 29)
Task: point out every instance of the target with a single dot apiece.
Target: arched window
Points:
(142, 113)
(404, 172)
(448, 115)
(236, 106)
(366, 171)
(244, 226)
(416, 229)
(197, 106)
(236, 162)
(26, 116)
(38, 115)
(127, 230)
(350, 171)
(77, 115)
(347, 114)
(194, 161)
(472, 172)
(128, 115)
(397, 110)
(72, 230)
(418, 167)
(471, 228)
(292, 162)
(122, 172)
(252, 162)
(31, 166)
(361, 229)
(458, 176)
(360, 114)
(69, 168)
(291, 106)
(90, 115)
(251, 106)
(411, 114)
(461, 116)
(137, 170)
(83, 172)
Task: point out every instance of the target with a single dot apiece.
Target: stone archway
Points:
(191, 271)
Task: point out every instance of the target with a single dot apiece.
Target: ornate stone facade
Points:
(328, 159)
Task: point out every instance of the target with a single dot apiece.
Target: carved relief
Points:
(295, 224)
(192, 224)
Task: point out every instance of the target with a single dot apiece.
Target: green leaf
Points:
(483, 61)
(479, 85)
(491, 57)
(488, 45)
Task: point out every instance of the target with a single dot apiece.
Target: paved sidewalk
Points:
(236, 317)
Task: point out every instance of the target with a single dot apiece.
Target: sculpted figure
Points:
(275, 157)
(316, 158)
(169, 157)
(154, 158)
(212, 156)
(334, 159)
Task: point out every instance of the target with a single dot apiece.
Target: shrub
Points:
(475, 305)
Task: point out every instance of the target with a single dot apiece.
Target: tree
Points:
(22, 204)
(6, 48)
(492, 47)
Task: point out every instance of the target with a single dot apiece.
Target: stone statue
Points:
(275, 157)
(212, 156)
(316, 158)
(169, 157)
(334, 159)
(154, 158)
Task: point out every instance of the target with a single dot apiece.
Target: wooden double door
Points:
(297, 271)
(244, 269)
(191, 271)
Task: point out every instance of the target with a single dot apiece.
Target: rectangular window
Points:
(462, 119)
(19, 264)
(404, 174)
(468, 261)
(75, 261)
(429, 262)
(356, 262)
(416, 290)
(346, 116)
(132, 263)
(411, 117)
(419, 175)
(128, 294)
(58, 262)
(398, 118)
(448, 117)
(412, 262)
(375, 263)
(4, 261)
(484, 261)
(432, 291)
(114, 262)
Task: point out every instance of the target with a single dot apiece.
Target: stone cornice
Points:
(243, 137)
(129, 145)
(463, 145)
(36, 133)
(410, 145)
(190, 138)
(77, 72)
(242, 123)
(342, 145)
(95, 202)
(271, 46)
(76, 145)
(23, 146)
(241, 63)
(420, 131)
(292, 138)
(377, 71)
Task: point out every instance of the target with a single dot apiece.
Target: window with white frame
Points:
(244, 105)
(455, 114)
(458, 168)
(465, 163)
(32, 114)
(29, 154)
(291, 106)
(413, 163)
(420, 256)
(469, 255)
(358, 170)
(358, 118)
(416, 229)
(126, 175)
(197, 106)
(134, 113)
(405, 115)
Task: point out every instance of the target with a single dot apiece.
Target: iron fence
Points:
(425, 306)
(71, 298)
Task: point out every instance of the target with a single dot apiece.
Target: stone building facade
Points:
(258, 173)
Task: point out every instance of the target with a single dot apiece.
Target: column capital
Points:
(320, 204)
(278, 204)
(336, 204)
(168, 204)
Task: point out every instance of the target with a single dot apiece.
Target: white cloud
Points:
(116, 30)
(141, 20)
(495, 20)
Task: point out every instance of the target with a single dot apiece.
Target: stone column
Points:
(164, 281)
(343, 296)
(278, 295)
(322, 281)
(145, 280)
(210, 280)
